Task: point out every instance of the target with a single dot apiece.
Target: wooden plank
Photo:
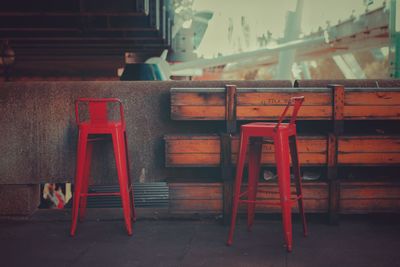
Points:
(199, 151)
(376, 144)
(372, 112)
(259, 104)
(198, 112)
(211, 145)
(306, 144)
(213, 160)
(371, 150)
(195, 191)
(193, 146)
(252, 103)
(305, 158)
(311, 190)
(192, 160)
(310, 206)
(282, 98)
(191, 137)
(369, 158)
(197, 99)
(378, 97)
(273, 112)
(369, 205)
(364, 197)
(370, 192)
(189, 198)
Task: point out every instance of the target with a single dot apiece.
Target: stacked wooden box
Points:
(330, 149)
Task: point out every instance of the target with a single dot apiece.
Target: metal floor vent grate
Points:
(146, 195)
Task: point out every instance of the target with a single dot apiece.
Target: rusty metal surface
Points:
(38, 133)
(230, 108)
(349, 83)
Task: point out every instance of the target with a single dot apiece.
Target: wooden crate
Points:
(268, 103)
(365, 197)
(204, 150)
(252, 103)
(369, 150)
(191, 198)
(372, 103)
(336, 104)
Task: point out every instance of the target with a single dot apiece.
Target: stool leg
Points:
(238, 182)
(283, 168)
(85, 181)
(80, 166)
(131, 196)
(254, 172)
(297, 178)
(120, 160)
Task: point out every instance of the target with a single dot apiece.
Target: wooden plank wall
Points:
(204, 150)
(202, 198)
(268, 104)
(252, 103)
(206, 198)
(372, 103)
(330, 104)
(362, 197)
(369, 150)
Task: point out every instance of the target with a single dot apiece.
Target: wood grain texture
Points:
(366, 144)
(372, 112)
(375, 98)
(370, 150)
(197, 99)
(192, 150)
(189, 198)
(273, 112)
(197, 151)
(281, 98)
(364, 197)
(267, 104)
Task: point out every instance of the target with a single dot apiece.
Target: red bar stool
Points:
(283, 135)
(92, 130)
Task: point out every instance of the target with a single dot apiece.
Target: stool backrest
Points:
(98, 111)
(296, 102)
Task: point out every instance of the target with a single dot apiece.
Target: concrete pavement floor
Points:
(360, 241)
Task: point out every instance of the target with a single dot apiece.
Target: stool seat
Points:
(268, 129)
(100, 126)
(283, 136)
(106, 125)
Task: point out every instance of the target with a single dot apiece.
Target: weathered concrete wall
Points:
(19, 200)
(38, 133)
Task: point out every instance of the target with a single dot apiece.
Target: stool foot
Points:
(129, 231)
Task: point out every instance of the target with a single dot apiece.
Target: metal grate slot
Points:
(145, 195)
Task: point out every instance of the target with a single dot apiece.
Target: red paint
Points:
(285, 141)
(100, 124)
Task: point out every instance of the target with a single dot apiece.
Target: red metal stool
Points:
(283, 136)
(89, 131)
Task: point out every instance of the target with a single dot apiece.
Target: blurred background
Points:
(199, 39)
